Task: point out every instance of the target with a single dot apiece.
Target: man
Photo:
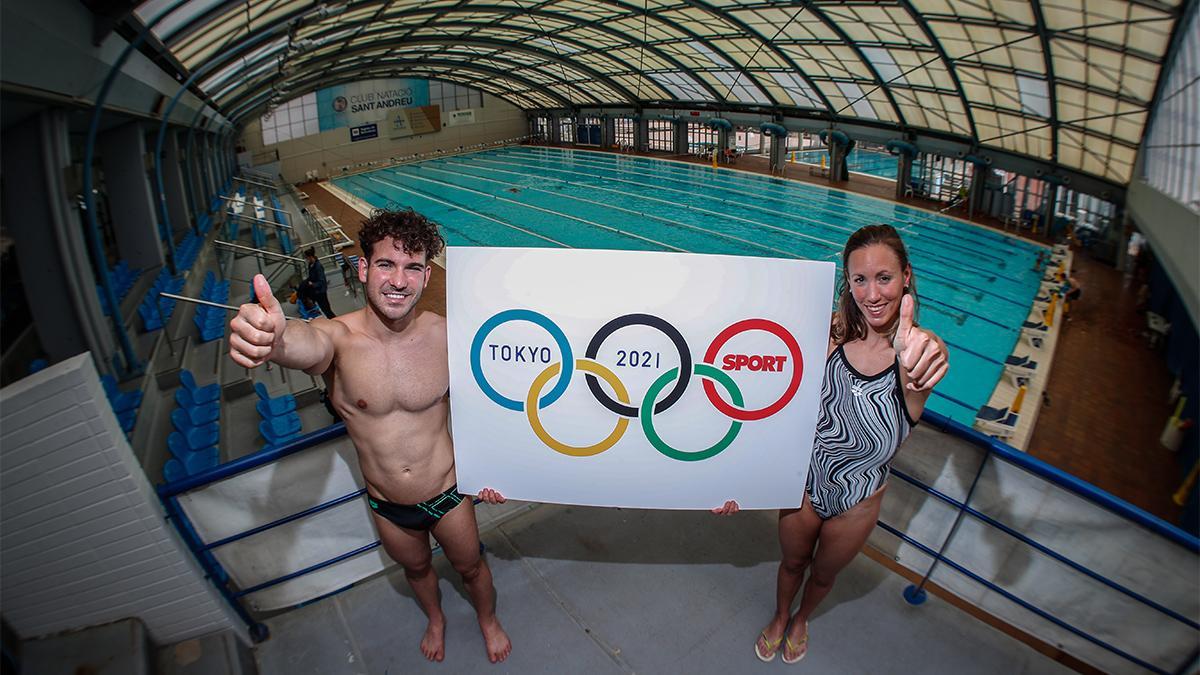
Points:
(315, 287)
(387, 373)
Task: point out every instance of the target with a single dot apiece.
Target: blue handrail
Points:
(1064, 480)
(311, 568)
(252, 461)
(169, 492)
(1047, 551)
(1002, 451)
(1019, 601)
(312, 510)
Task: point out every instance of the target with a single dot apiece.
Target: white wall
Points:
(1173, 231)
(83, 537)
(329, 151)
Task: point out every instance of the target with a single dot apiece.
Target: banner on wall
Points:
(414, 121)
(364, 132)
(457, 117)
(358, 103)
(679, 382)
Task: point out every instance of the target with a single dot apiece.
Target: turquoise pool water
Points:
(976, 285)
(861, 161)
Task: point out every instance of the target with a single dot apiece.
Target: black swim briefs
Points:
(420, 516)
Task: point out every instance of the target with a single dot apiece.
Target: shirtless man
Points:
(386, 370)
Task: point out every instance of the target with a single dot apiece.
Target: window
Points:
(700, 137)
(295, 119)
(940, 178)
(624, 131)
(588, 131)
(566, 129)
(541, 128)
(661, 136)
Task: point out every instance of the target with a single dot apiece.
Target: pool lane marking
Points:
(699, 189)
(955, 226)
(669, 221)
(955, 283)
(458, 207)
(825, 242)
(944, 224)
(538, 208)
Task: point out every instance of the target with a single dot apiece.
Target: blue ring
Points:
(568, 359)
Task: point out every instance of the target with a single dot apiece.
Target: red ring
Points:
(797, 372)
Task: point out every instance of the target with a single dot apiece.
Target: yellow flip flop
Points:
(772, 647)
(794, 648)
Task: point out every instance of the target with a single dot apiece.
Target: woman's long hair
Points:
(848, 323)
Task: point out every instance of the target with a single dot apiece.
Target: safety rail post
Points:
(915, 593)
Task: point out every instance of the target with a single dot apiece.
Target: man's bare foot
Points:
(495, 639)
(433, 643)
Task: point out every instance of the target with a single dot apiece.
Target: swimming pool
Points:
(879, 164)
(975, 285)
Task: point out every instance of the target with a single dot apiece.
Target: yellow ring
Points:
(535, 391)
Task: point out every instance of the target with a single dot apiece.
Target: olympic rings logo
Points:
(678, 378)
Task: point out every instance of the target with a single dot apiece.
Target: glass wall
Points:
(701, 138)
(540, 128)
(624, 131)
(661, 136)
(588, 131)
(566, 129)
(1172, 149)
(940, 178)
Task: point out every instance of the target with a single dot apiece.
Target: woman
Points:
(880, 368)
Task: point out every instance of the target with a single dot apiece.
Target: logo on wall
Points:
(711, 372)
(340, 104)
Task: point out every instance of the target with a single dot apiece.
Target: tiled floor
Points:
(589, 590)
(1107, 389)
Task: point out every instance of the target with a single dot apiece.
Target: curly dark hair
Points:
(413, 230)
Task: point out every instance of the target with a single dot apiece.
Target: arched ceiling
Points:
(1065, 81)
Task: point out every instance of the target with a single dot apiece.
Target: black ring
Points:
(685, 361)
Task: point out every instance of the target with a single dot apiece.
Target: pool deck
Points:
(1109, 438)
(590, 590)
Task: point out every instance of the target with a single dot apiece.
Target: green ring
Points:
(647, 413)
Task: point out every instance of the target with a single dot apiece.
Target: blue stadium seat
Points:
(205, 394)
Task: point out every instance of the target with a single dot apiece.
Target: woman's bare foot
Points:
(495, 639)
(433, 643)
(796, 644)
(769, 639)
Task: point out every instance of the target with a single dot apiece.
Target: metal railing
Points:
(996, 451)
(914, 594)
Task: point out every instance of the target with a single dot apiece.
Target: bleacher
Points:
(155, 311)
(210, 321)
(121, 277)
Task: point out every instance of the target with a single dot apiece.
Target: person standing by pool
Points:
(880, 369)
(315, 287)
(387, 373)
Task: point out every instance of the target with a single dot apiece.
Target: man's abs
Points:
(404, 457)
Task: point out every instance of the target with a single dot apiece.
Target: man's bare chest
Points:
(408, 376)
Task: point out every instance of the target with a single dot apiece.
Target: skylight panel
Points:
(884, 64)
(858, 102)
(710, 55)
(739, 88)
(798, 89)
(164, 29)
(1035, 96)
(555, 45)
(682, 86)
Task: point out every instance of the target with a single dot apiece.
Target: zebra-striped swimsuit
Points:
(863, 420)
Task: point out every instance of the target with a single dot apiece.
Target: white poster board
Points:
(595, 341)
